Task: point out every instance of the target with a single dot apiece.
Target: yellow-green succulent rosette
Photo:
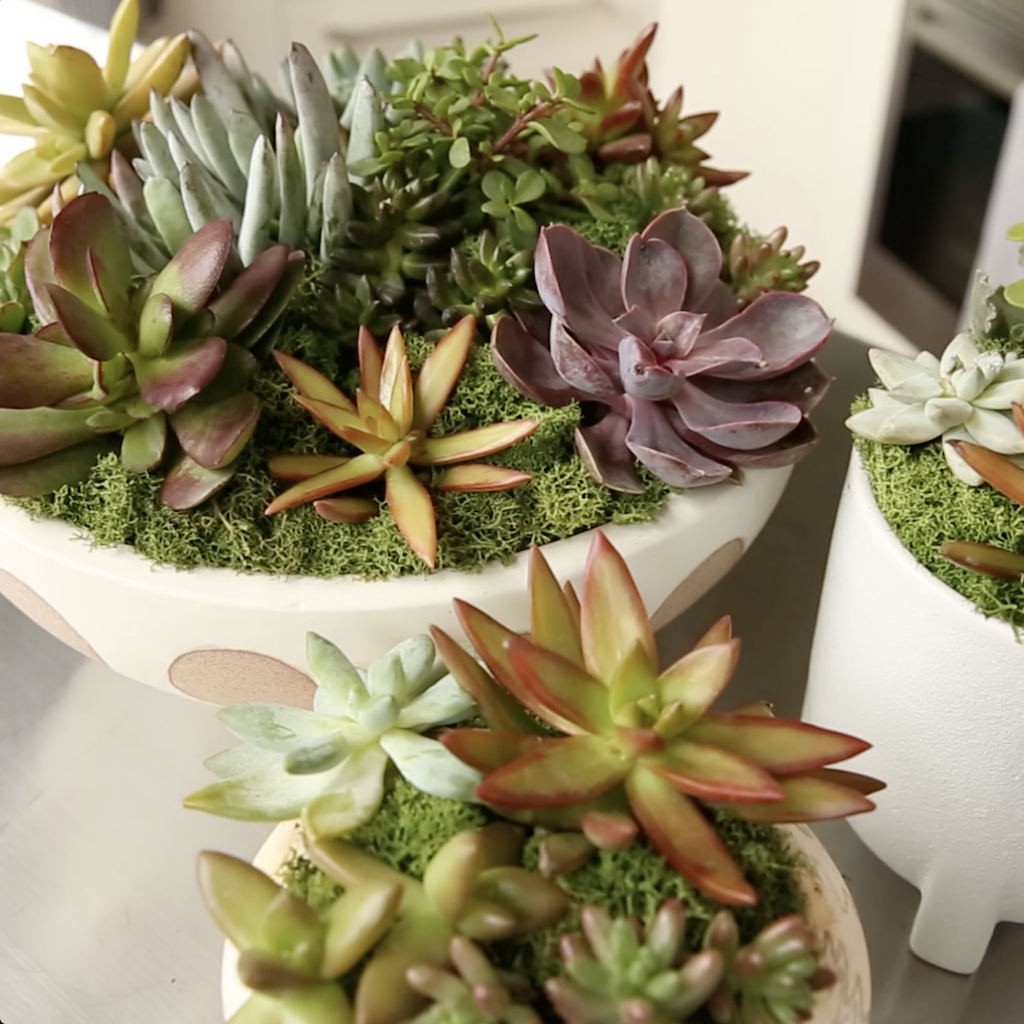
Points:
(77, 112)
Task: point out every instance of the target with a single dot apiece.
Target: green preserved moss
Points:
(926, 505)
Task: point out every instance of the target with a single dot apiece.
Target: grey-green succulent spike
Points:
(238, 153)
(473, 991)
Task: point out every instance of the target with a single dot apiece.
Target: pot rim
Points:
(59, 541)
(830, 908)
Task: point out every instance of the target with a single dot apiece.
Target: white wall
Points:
(803, 86)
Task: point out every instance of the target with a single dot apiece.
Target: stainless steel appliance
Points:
(951, 118)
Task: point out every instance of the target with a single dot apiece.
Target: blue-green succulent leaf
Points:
(430, 767)
(445, 703)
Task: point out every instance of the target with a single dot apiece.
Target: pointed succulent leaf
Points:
(558, 773)
(187, 367)
(193, 274)
(688, 841)
(477, 476)
(711, 773)
(413, 511)
(782, 747)
(608, 830)
(214, 434)
(346, 510)
(473, 444)
(51, 472)
(355, 924)
(92, 333)
(188, 484)
(441, 371)
(698, 679)
(602, 449)
(531, 901)
(36, 373)
(489, 749)
(237, 306)
(298, 466)
(984, 558)
(633, 686)
(560, 686)
(490, 638)
(274, 977)
(552, 624)
(995, 469)
(429, 766)
(613, 617)
(808, 798)
(498, 707)
(863, 784)
(311, 383)
(360, 470)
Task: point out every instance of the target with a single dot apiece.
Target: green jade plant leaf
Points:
(390, 422)
(645, 739)
(328, 765)
(473, 887)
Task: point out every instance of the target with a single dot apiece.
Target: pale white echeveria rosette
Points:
(328, 765)
(966, 395)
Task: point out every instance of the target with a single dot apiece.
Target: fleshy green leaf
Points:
(213, 434)
(806, 799)
(552, 623)
(35, 373)
(51, 472)
(413, 511)
(711, 773)
(193, 274)
(441, 371)
(188, 484)
(474, 444)
(360, 470)
(430, 767)
(698, 679)
(170, 380)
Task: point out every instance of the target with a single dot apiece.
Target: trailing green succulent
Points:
(772, 980)
(163, 364)
(76, 113)
(390, 423)
(15, 301)
(289, 956)
(630, 743)
(473, 887)
(329, 765)
(473, 991)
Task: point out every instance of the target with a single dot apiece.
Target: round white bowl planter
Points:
(226, 637)
(906, 662)
(830, 909)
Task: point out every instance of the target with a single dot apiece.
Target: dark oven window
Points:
(945, 158)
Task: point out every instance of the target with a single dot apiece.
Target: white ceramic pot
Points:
(907, 663)
(226, 637)
(830, 909)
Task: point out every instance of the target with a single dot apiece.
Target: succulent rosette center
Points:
(690, 387)
(632, 733)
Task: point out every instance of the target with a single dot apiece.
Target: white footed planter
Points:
(226, 637)
(907, 663)
(830, 909)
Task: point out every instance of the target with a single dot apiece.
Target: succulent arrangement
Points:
(968, 404)
(216, 243)
(588, 751)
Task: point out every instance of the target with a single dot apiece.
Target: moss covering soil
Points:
(412, 826)
(926, 505)
(115, 506)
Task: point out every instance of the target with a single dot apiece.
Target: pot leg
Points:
(955, 920)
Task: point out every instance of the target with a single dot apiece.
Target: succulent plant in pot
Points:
(486, 926)
(437, 193)
(932, 496)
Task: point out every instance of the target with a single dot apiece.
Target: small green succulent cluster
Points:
(15, 301)
(617, 972)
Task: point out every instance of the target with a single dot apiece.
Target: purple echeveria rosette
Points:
(690, 387)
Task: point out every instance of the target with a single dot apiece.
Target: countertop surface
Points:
(100, 922)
